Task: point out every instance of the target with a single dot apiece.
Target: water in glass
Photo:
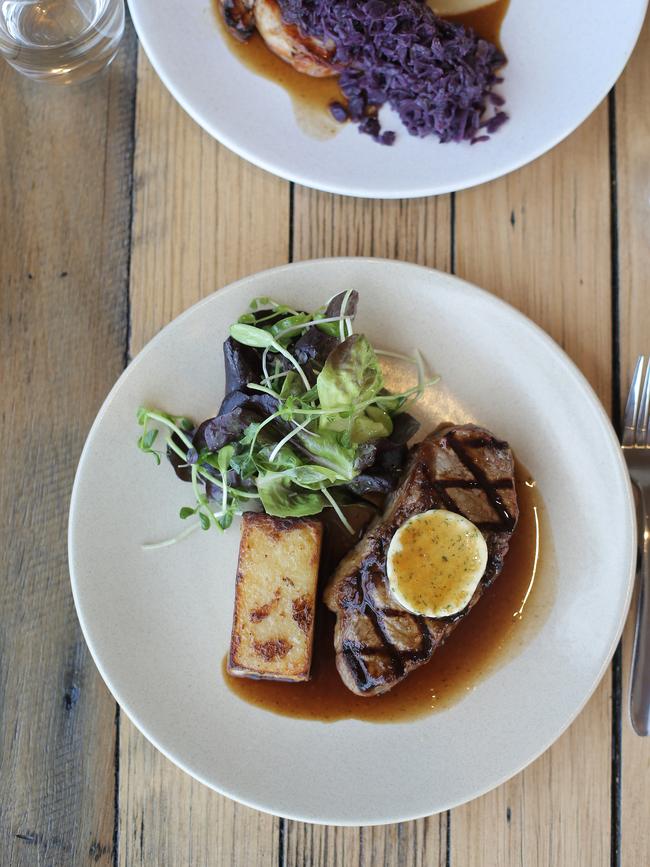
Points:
(63, 41)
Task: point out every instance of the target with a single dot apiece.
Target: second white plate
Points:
(562, 60)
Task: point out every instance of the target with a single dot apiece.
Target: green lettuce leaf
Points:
(372, 424)
(285, 459)
(327, 450)
(281, 498)
(351, 375)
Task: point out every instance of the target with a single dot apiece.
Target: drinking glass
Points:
(61, 41)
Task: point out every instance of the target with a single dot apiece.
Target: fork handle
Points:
(640, 681)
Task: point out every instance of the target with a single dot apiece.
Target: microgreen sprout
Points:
(400, 356)
(293, 329)
(258, 338)
(265, 369)
(417, 391)
(166, 543)
(345, 324)
(179, 427)
(422, 375)
(188, 531)
(338, 510)
(255, 430)
(146, 441)
(285, 439)
(256, 387)
(265, 301)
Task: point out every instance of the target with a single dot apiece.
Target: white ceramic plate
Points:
(563, 59)
(158, 622)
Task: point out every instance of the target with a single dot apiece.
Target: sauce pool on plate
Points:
(311, 97)
(500, 622)
(486, 20)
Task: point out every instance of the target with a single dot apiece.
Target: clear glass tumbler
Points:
(61, 41)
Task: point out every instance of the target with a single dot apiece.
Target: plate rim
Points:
(571, 369)
(360, 191)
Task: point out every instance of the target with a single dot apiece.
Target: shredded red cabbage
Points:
(437, 75)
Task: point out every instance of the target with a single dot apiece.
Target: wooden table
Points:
(116, 213)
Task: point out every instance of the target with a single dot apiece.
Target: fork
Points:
(636, 449)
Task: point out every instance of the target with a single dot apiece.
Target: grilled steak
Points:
(378, 642)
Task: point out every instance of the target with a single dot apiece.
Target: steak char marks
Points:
(378, 642)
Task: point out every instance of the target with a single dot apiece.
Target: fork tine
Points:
(632, 405)
(642, 419)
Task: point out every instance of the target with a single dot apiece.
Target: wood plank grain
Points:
(417, 231)
(633, 176)
(408, 844)
(202, 217)
(540, 238)
(65, 157)
(167, 818)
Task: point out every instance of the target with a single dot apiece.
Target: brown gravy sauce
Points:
(503, 621)
(311, 97)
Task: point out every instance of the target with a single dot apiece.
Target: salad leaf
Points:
(351, 375)
(244, 464)
(404, 427)
(371, 424)
(234, 480)
(224, 457)
(313, 346)
(242, 365)
(311, 476)
(264, 301)
(327, 450)
(291, 385)
(257, 403)
(217, 432)
(392, 403)
(335, 307)
(284, 459)
(376, 482)
(280, 498)
(350, 298)
(348, 382)
(251, 335)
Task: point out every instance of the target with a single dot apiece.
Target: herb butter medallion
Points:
(435, 562)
